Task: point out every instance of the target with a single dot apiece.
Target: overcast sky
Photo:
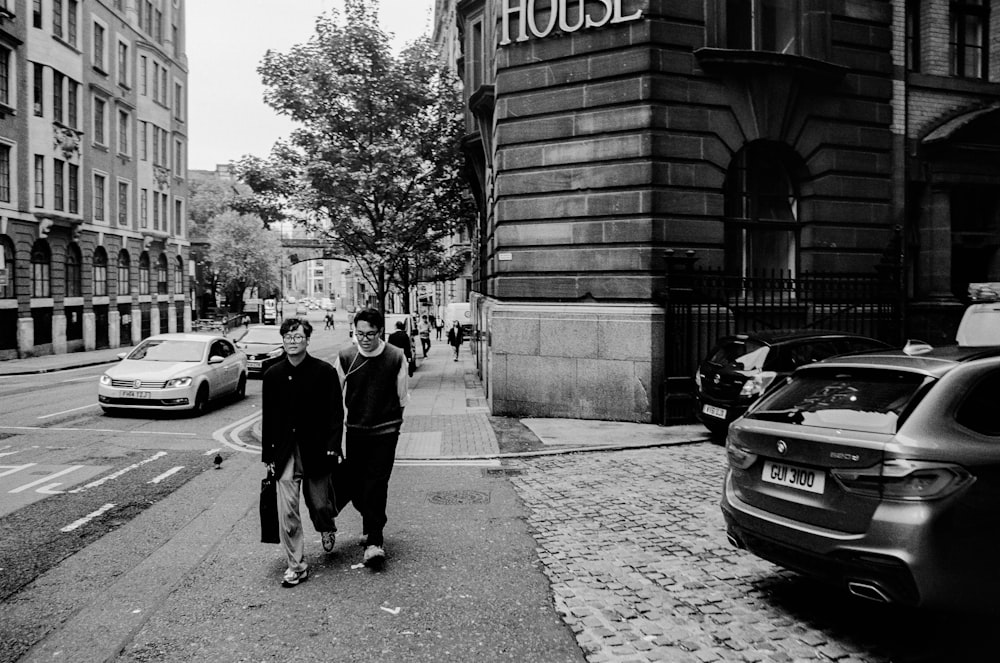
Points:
(225, 42)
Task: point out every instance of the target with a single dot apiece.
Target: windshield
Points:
(858, 399)
(741, 354)
(169, 350)
(270, 336)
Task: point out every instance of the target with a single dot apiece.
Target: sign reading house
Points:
(559, 16)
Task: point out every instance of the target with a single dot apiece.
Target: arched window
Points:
(124, 273)
(161, 275)
(41, 269)
(144, 274)
(7, 290)
(74, 273)
(179, 276)
(761, 207)
(100, 272)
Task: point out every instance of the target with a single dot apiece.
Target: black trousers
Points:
(371, 457)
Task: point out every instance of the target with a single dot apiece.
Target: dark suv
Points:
(741, 367)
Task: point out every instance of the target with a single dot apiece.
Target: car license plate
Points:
(799, 478)
(253, 364)
(712, 411)
(134, 394)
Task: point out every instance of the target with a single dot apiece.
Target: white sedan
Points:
(174, 372)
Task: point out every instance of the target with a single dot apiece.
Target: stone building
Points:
(93, 195)
(652, 174)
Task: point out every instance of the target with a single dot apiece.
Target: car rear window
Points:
(745, 354)
(158, 350)
(864, 400)
(271, 335)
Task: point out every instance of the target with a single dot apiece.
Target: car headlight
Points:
(106, 380)
(178, 382)
(277, 352)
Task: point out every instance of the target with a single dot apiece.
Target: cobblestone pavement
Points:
(634, 545)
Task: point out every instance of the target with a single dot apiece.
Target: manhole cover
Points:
(459, 497)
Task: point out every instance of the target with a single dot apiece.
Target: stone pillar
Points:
(59, 333)
(934, 259)
(25, 337)
(89, 331)
(187, 318)
(172, 318)
(114, 328)
(136, 313)
(154, 319)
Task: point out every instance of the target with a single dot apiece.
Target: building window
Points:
(100, 272)
(969, 54)
(178, 158)
(57, 96)
(143, 76)
(776, 26)
(162, 284)
(57, 18)
(74, 274)
(71, 12)
(5, 77)
(98, 54)
(144, 208)
(156, 210)
(124, 273)
(123, 132)
(72, 103)
(143, 140)
(100, 194)
(58, 184)
(99, 120)
(38, 88)
(39, 180)
(36, 13)
(913, 35)
(41, 259)
(124, 191)
(178, 218)
(7, 289)
(476, 55)
(179, 276)
(5, 174)
(74, 189)
(158, 26)
(144, 274)
(178, 101)
(123, 78)
(761, 208)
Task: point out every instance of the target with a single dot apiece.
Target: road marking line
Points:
(88, 377)
(86, 519)
(56, 414)
(11, 453)
(212, 451)
(172, 471)
(15, 468)
(98, 430)
(44, 479)
(50, 489)
(232, 432)
(94, 484)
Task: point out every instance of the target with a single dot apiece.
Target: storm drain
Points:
(459, 497)
(501, 472)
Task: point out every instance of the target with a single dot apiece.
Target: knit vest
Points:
(370, 391)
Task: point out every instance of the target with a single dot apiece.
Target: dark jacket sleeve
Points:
(333, 410)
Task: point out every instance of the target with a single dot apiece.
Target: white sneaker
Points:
(374, 555)
(292, 578)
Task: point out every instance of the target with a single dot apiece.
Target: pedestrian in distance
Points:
(424, 330)
(329, 321)
(439, 326)
(374, 380)
(401, 340)
(455, 337)
(302, 428)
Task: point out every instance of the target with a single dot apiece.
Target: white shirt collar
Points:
(374, 353)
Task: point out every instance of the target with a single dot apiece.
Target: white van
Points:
(460, 312)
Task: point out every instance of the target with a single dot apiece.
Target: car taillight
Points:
(697, 380)
(908, 480)
(756, 385)
(739, 457)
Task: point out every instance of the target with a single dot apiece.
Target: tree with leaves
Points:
(374, 165)
(243, 255)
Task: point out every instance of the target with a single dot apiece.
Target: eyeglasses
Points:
(366, 334)
(294, 338)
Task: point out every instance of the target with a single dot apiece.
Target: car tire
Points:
(200, 402)
(241, 387)
(717, 432)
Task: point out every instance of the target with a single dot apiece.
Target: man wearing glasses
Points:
(374, 379)
(302, 427)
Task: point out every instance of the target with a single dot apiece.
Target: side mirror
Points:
(122, 355)
(215, 359)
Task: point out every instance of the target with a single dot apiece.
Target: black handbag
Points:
(269, 509)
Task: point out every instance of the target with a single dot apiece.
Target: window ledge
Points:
(7, 110)
(954, 84)
(733, 59)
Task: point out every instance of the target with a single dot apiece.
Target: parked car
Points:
(174, 372)
(263, 347)
(741, 367)
(879, 472)
(301, 309)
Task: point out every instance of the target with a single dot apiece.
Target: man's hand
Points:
(270, 467)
